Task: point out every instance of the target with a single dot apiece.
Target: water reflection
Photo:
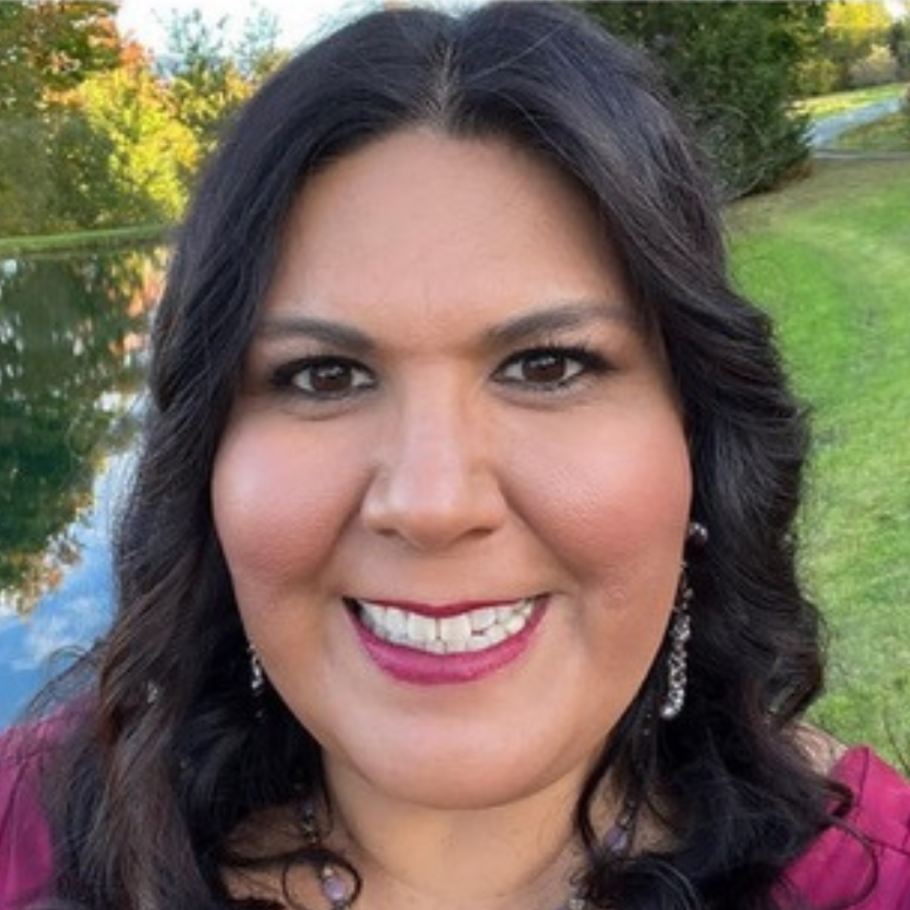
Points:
(72, 334)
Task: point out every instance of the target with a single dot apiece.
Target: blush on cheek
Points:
(621, 505)
(276, 514)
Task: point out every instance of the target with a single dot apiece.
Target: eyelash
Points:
(286, 378)
(587, 363)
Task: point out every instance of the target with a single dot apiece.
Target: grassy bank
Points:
(828, 257)
(889, 134)
(15, 246)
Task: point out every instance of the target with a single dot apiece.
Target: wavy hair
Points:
(170, 759)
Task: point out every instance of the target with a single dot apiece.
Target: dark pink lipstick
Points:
(417, 667)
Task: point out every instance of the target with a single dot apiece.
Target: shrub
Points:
(878, 67)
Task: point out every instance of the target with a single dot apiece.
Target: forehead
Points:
(424, 223)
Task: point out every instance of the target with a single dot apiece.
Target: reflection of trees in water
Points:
(71, 338)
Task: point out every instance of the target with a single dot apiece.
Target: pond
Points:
(72, 348)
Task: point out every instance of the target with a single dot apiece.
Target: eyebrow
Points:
(558, 317)
(547, 319)
(336, 334)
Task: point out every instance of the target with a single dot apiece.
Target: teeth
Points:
(396, 621)
(516, 623)
(421, 629)
(472, 631)
(455, 630)
(482, 619)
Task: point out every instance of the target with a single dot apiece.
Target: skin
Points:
(442, 462)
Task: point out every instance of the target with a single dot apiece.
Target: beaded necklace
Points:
(341, 890)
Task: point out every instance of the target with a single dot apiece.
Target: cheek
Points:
(615, 501)
(279, 504)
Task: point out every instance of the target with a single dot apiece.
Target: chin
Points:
(471, 779)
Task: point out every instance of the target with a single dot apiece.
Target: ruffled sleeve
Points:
(25, 845)
(873, 869)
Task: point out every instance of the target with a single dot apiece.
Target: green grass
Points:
(828, 257)
(889, 134)
(843, 102)
(13, 246)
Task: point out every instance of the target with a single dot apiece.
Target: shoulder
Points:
(25, 846)
(873, 860)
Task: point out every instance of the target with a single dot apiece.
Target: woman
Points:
(458, 568)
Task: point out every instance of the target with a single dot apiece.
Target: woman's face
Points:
(453, 491)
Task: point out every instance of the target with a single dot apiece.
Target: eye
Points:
(550, 367)
(324, 377)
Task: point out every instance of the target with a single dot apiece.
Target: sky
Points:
(300, 21)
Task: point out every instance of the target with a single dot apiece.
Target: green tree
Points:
(211, 77)
(899, 45)
(144, 150)
(27, 186)
(257, 52)
(734, 68)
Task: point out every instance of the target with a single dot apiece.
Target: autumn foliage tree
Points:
(46, 51)
(94, 132)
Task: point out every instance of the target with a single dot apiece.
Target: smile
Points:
(464, 632)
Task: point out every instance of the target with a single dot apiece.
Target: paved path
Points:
(823, 132)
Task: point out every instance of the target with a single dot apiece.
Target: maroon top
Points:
(25, 844)
(835, 868)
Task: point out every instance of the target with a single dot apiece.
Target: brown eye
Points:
(548, 368)
(545, 368)
(327, 377)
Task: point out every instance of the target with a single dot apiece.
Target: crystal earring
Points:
(678, 658)
(257, 681)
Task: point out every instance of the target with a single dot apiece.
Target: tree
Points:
(733, 67)
(899, 45)
(210, 77)
(853, 32)
(257, 52)
(144, 150)
(47, 50)
(92, 134)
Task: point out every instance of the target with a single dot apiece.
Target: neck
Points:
(519, 854)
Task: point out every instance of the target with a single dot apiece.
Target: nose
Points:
(435, 482)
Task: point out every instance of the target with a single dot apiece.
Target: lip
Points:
(423, 669)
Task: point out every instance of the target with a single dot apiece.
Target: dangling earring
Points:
(257, 681)
(678, 658)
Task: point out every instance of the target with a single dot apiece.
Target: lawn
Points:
(828, 257)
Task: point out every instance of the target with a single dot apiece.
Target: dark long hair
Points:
(170, 757)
